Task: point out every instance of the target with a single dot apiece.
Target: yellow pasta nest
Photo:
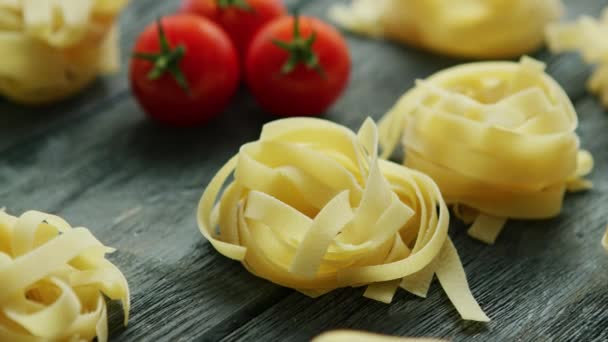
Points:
(469, 28)
(357, 336)
(590, 37)
(53, 48)
(54, 279)
(498, 138)
(312, 208)
(605, 240)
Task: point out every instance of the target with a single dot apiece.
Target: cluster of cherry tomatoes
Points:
(187, 67)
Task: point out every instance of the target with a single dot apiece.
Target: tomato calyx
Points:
(166, 61)
(240, 4)
(300, 51)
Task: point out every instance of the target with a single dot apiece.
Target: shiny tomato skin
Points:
(303, 92)
(210, 65)
(240, 24)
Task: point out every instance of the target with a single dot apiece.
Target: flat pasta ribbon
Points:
(468, 28)
(54, 48)
(311, 207)
(359, 336)
(590, 37)
(54, 278)
(497, 137)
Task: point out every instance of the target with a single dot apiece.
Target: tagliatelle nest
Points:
(498, 138)
(590, 37)
(357, 336)
(54, 278)
(470, 28)
(53, 48)
(605, 240)
(312, 208)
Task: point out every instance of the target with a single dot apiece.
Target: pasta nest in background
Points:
(53, 48)
(54, 278)
(590, 37)
(468, 28)
(311, 207)
(498, 138)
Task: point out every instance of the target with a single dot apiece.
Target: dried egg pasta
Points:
(311, 207)
(590, 37)
(357, 336)
(497, 137)
(54, 278)
(53, 48)
(471, 28)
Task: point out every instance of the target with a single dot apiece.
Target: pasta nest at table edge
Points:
(590, 37)
(54, 48)
(468, 28)
(54, 278)
(311, 207)
(359, 336)
(497, 137)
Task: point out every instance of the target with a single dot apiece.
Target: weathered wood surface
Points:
(97, 162)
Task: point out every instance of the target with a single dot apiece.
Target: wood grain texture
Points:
(96, 161)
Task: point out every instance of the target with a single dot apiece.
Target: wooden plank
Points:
(98, 163)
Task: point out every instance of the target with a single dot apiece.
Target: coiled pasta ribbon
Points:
(590, 37)
(497, 137)
(54, 278)
(469, 28)
(53, 48)
(312, 208)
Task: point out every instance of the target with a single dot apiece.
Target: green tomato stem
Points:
(240, 4)
(166, 60)
(300, 51)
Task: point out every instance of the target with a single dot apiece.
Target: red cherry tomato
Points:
(185, 71)
(241, 19)
(297, 67)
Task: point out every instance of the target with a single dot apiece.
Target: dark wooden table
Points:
(96, 161)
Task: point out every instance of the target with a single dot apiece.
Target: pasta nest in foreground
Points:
(54, 278)
(590, 37)
(360, 336)
(311, 207)
(467, 28)
(53, 48)
(498, 138)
